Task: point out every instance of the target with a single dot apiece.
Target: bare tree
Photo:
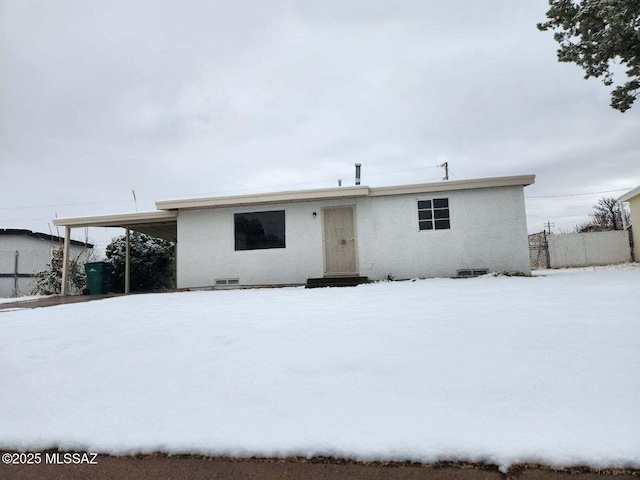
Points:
(607, 216)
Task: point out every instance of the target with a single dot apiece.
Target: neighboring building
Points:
(442, 229)
(633, 199)
(24, 253)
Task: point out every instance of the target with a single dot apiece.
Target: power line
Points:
(557, 216)
(293, 185)
(407, 170)
(556, 207)
(580, 194)
(64, 204)
(213, 193)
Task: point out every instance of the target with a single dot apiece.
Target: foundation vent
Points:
(221, 282)
(472, 272)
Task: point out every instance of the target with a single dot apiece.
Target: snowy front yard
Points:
(496, 369)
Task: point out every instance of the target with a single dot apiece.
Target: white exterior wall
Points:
(206, 247)
(34, 254)
(488, 230)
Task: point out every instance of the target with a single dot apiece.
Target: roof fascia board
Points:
(343, 192)
(119, 220)
(450, 185)
(265, 198)
(629, 195)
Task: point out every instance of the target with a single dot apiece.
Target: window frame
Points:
(433, 215)
(283, 240)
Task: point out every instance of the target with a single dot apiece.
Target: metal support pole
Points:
(127, 261)
(16, 274)
(175, 264)
(546, 249)
(65, 261)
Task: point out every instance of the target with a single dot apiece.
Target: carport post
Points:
(127, 261)
(65, 261)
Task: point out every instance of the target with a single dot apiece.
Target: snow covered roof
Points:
(629, 195)
(343, 192)
(42, 236)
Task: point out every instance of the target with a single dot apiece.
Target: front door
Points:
(339, 241)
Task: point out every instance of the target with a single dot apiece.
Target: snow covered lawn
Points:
(496, 369)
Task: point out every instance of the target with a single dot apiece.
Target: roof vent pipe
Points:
(357, 174)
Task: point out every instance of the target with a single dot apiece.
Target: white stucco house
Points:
(440, 229)
(24, 253)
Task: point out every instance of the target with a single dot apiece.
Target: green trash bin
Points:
(97, 277)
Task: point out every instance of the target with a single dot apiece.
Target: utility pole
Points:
(445, 165)
(548, 225)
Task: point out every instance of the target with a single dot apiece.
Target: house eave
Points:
(265, 198)
(339, 193)
(452, 185)
(629, 195)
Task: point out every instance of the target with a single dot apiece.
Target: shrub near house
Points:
(49, 281)
(151, 263)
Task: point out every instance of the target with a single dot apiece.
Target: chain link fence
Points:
(580, 249)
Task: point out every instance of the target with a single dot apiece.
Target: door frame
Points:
(355, 242)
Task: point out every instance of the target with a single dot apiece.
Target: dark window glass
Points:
(425, 215)
(442, 224)
(444, 213)
(433, 214)
(259, 230)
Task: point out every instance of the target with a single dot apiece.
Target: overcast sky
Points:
(205, 98)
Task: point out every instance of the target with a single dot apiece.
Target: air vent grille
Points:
(472, 272)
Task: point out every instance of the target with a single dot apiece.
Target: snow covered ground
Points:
(495, 369)
(21, 299)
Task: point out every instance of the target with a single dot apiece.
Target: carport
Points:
(161, 224)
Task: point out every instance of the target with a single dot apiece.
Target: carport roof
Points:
(161, 224)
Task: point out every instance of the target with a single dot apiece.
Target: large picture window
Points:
(434, 214)
(259, 230)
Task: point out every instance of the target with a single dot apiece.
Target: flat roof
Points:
(336, 193)
(162, 224)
